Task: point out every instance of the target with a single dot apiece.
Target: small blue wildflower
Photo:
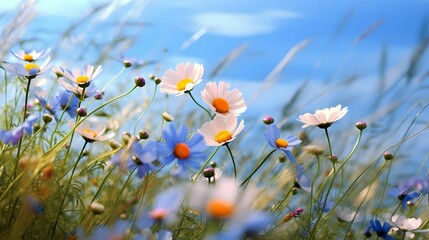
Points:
(164, 210)
(411, 189)
(61, 101)
(188, 152)
(34, 205)
(13, 136)
(140, 157)
(381, 231)
(302, 179)
(118, 231)
(272, 136)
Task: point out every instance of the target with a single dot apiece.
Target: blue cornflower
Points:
(272, 136)
(164, 210)
(381, 231)
(140, 158)
(411, 189)
(188, 152)
(61, 101)
(13, 136)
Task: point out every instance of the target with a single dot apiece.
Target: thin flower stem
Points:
(147, 107)
(27, 91)
(329, 142)
(257, 168)
(67, 189)
(312, 186)
(205, 163)
(32, 138)
(113, 79)
(282, 201)
(59, 121)
(146, 183)
(232, 158)
(199, 105)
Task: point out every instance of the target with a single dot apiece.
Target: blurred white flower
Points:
(323, 118)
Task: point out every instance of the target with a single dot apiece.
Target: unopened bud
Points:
(314, 149)
(47, 172)
(36, 127)
(85, 153)
(157, 80)
(143, 135)
(114, 144)
(361, 125)
(333, 158)
(96, 208)
(268, 120)
(127, 64)
(282, 158)
(209, 172)
(98, 95)
(47, 118)
(139, 81)
(152, 77)
(167, 117)
(388, 156)
(81, 112)
(213, 164)
(294, 191)
(126, 136)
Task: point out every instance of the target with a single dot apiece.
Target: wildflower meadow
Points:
(98, 145)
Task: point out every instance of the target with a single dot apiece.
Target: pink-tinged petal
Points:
(239, 128)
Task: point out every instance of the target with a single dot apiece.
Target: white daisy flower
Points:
(223, 101)
(84, 78)
(30, 56)
(406, 224)
(323, 118)
(29, 69)
(92, 131)
(221, 130)
(183, 79)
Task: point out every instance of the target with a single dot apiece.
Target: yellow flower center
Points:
(223, 136)
(181, 85)
(221, 105)
(220, 208)
(158, 214)
(82, 79)
(182, 151)
(281, 143)
(89, 131)
(30, 66)
(28, 57)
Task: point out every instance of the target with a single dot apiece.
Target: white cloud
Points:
(242, 24)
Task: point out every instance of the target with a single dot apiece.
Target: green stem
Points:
(312, 187)
(233, 161)
(111, 81)
(147, 107)
(257, 168)
(67, 189)
(329, 142)
(199, 105)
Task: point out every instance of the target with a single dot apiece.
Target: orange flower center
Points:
(182, 151)
(82, 79)
(89, 131)
(158, 214)
(28, 57)
(221, 105)
(220, 208)
(223, 136)
(30, 66)
(281, 143)
(181, 85)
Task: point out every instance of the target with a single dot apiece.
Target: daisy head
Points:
(82, 78)
(183, 79)
(223, 101)
(30, 56)
(28, 70)
(188, 152)
(323, 118)
(77, 90)
(272, 136)
(221, 130)
(92, 131)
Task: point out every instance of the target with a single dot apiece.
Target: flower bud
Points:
(98, 95)
(294, 191)
(96, 208)
(167, 117)
(36, 127)
(127, 64)
(268, 120)
(143, 135)
(114, 144)
(47, 118)
(315, 150)
(152, 77)
(282, 158)
(157, 80)
(209, 172)
(126, 136)
(139, 81)
(361, 125)
(85, 153)
(81, 112)
(47, 172)
(333, 158)
(213, 164)
(388, 156)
